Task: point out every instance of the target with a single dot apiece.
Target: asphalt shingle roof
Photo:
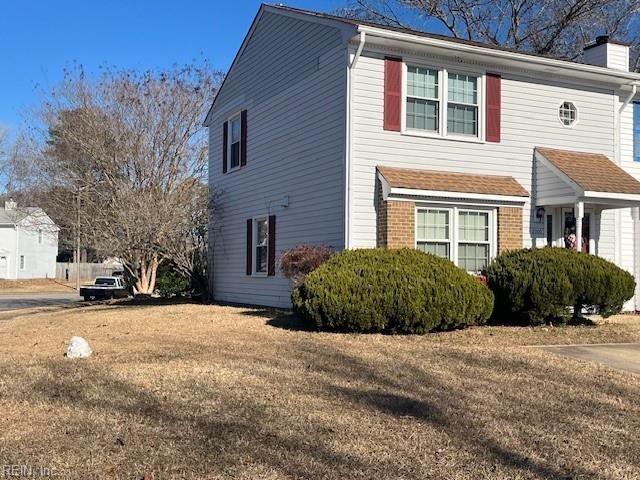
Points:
(452, 182)
(591, 171)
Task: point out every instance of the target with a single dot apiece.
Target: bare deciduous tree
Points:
(547, 27)
(123, 160)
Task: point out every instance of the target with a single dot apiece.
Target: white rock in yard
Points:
(78, 348)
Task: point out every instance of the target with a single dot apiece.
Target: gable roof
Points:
(14, 217)
(591, 172)
(443, 41)
(10, 217)
(519, 54)
(432, 180)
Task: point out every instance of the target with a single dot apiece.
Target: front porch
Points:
(572, 190)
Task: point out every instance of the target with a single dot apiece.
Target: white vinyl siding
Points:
(292, 80)
(529, 119)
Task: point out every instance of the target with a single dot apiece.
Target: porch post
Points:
(593, 249)
(579, 209)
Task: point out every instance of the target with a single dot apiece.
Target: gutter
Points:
(500, 54)
(349, 144)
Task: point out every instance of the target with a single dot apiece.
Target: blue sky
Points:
(40, 38)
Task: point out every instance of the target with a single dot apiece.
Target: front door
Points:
(569, 229)
(3, 266)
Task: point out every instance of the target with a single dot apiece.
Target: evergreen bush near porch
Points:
(403, 291)
(537, 286)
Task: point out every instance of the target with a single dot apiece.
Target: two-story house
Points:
(336, 131)
(28, 243)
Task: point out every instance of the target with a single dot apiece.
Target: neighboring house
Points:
(354, 135)
(28, 243)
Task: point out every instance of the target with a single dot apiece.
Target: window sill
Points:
(455, 138)
(259, 275)
(232, 170)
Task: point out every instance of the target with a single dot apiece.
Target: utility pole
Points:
(77, 253)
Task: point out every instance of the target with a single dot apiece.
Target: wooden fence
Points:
(88, 271)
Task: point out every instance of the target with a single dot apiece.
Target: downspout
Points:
(349, 148)
(17, 259)
(618, 216)
(634, 90)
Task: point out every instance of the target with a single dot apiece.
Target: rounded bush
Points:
(536, 286)
(403, 291)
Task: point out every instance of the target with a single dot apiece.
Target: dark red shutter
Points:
(243, 138)
(271, 259)
(493, 107)
(392, 93)
(249, 247)
(225, 141)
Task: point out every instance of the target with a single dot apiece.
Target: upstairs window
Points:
(235, 138)
(442, 102)
(423, 105)
(568, 114)
(23, 263)
(39, 236)
(462, 107)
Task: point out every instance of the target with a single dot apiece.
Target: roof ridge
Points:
(437, 36)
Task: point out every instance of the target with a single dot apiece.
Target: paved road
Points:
(16, 301)
(620, 356)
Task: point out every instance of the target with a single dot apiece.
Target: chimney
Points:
(10, 204)
(608, 53)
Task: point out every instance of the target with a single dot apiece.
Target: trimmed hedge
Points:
(537, 286)
(379, 290)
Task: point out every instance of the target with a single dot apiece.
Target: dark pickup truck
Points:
(104, 288)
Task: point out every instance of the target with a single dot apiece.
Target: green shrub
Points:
(404, 291)
(536, 286)
(170, 282)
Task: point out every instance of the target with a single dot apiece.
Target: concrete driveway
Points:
(621, 356)
(16, 301)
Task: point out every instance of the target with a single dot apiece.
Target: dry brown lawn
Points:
(36, 285)
(191, 391)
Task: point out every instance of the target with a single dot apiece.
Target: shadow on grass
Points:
(290, 321)
(225, 420)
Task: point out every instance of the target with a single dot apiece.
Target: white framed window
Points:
(568, 114)
(423, 99)
(462, 104)
(443, 103)
(260, 245)
(433, 232)
(474, 233)
(464, 235)
(23, 262)
(234, 142)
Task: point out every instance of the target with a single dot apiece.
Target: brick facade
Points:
(395, 223)
(509, 228)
